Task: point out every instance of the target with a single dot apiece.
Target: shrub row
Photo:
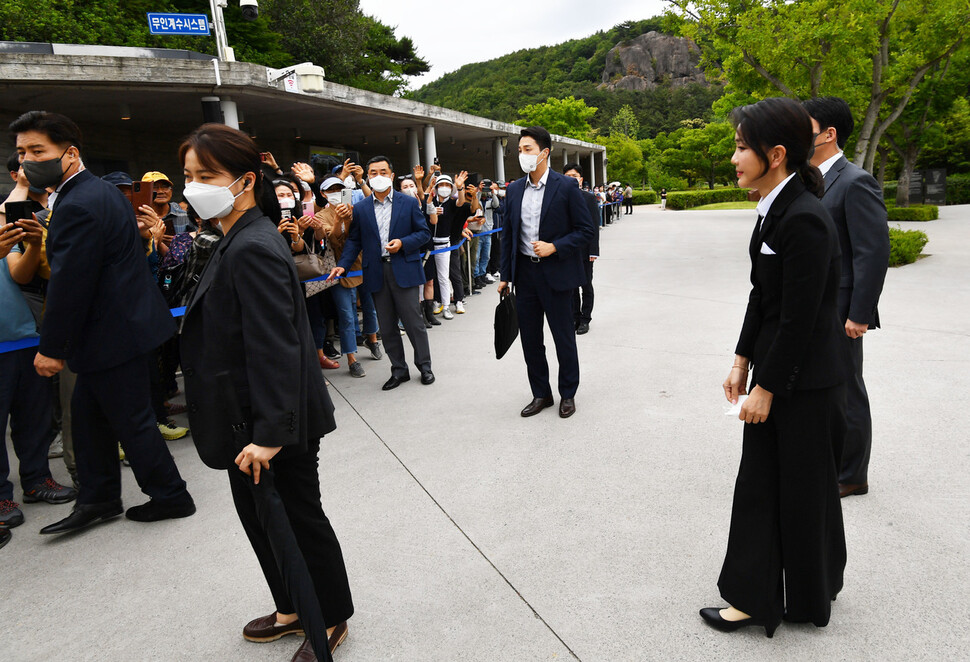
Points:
(645, 197)
(689, 199)
(914, 213)
(905, 246)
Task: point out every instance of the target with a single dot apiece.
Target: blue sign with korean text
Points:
(188, 24)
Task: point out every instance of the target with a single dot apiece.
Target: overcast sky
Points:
(451, 34)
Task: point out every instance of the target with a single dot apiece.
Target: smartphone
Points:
(141, 194)
(308, 208)
(286, 214)
(346, 197)
(24, 209)
(436, 161)
(263, 156)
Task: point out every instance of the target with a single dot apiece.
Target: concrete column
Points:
(565, 158)
(430, 146)
(229, 112)
(414, 154)
(592, 170)
(603, 164)
(498, 152)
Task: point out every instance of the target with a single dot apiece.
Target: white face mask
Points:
(501, 194)
(528, 162)
(444, 191)
(209, 200)
(287, 203)
(380, 183)
(333, 198)
(413, 192)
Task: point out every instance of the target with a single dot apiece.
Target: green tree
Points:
(567, 117)
(624, 159)
(875, 54)
(625, 123)
(699, 152)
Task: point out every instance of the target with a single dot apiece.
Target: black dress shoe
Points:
(394, 382)
(712, 616)
(154, 511)
(848, 489)
(427, 377)
(537, 405)
(5, 537)
(567, 408)
(581, 328)
(84, 515)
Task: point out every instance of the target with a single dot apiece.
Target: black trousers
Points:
(455, 275)
(583, 297)
(786, 548)
(295, 482)
(114, 405)
(25, 397)
(394, 303)
(535, 302)
(628, 203)
(858, 437)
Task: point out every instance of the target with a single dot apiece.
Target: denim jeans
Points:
(484, 252)
(347, 324)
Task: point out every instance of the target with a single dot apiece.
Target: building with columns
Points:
(135, 104)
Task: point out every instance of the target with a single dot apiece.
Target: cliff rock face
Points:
(650, 59)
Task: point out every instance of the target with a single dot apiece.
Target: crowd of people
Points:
(277, 275)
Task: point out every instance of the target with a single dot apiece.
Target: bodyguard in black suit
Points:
(854, 200)
(104, 317)
(786, 549)
(547, 229)
(257, 401)
(583, 296)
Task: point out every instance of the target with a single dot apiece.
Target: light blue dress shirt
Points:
(383, 212)
(531, 213)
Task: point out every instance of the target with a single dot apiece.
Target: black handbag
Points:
(506, 323)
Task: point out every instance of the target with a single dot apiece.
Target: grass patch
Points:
(727, 205)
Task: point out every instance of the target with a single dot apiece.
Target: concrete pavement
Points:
(473, 534)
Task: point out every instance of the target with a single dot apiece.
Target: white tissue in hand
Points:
(735, 410)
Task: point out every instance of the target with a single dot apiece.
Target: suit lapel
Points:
(211, 266)
(552, 186)
(792, 190)
(395, 218)
(834, 172)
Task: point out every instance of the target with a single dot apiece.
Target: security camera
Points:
(250, 9)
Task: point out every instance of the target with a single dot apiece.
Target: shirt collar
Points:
(389, 198)
(764, 205)
(53, 196)
(826, 165)
(542, 180)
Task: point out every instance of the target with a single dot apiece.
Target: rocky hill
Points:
(650, 60)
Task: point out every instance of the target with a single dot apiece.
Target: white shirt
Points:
(53, 196)
(765, 203)
(826, 165)
(531, 213)
(382, 210)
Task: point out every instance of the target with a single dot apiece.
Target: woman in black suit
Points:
(786, 548)
(256, 398)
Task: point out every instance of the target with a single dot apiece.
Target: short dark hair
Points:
(834, 113)
(780, 121)
(60, 129)
(13, 162)
(573, 166)
(378, 159)
(539, 134)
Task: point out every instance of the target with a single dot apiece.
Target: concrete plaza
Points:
(473, 534)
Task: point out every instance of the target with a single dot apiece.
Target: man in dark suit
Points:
(583, 296)
(854, 200)
(391, 231)
(547, 230)
(104, 317)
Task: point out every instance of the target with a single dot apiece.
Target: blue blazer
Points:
(407, 224)
(565, 221)
(103, 306)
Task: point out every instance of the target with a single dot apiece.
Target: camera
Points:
(250, 9)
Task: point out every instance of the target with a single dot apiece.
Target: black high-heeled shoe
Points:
(712, 616)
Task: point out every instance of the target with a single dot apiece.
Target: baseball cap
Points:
(446, 178)
(331, 181)
(155, 176)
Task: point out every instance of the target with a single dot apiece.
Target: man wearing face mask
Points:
(104, 317)
(390, 230)
(583, 296)
(547, 229)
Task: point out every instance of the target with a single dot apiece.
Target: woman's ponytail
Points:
(812, 178)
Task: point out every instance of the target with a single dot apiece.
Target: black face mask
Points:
(43, 174)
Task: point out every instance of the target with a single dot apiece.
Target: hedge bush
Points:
(688, 199)
(905, 246)
(645, 197)
(913, 213)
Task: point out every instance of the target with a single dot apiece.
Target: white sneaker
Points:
(459, 307)
(437, 308)
(57, 447)
(489, 278)
(447, 314)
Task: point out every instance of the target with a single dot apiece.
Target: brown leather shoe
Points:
(848, 489)
(264, 629)
(537, 405)
(567, 408)
(305, 652)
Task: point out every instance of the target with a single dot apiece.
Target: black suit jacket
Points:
(593, 205)
(564, 221)
(103, 306)
(792, 332)
(854, 200)
(248, 356)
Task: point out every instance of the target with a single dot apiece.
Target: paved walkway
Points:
(473, 534)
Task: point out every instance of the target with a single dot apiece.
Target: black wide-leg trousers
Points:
(786, 549)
